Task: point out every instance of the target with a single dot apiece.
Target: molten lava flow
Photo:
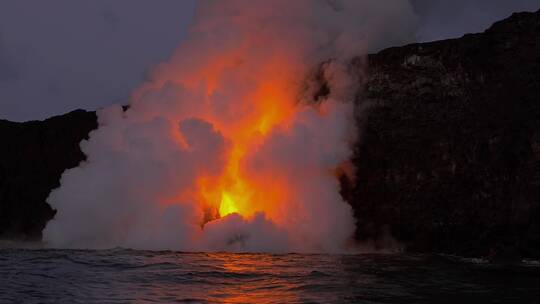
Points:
(227, 205)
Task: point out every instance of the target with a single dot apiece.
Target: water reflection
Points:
(126, 276)
(259, 279)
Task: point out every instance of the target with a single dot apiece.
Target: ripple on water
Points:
(120, 276)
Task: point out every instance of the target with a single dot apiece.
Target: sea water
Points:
(130, 276)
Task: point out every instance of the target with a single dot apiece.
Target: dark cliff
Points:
(448, 161)
(33, 156)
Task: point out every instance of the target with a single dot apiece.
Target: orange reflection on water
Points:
(257, 277)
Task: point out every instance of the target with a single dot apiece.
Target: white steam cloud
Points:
(138, 187)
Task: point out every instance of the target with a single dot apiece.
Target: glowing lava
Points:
(227, 205)
(235, 191)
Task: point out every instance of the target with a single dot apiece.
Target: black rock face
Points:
(33, 156)
(449, 158)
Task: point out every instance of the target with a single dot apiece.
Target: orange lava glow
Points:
(251, 91)
(235, 191)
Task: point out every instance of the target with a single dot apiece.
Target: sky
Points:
(61, 55)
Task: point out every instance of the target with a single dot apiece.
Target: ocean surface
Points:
(130, 276)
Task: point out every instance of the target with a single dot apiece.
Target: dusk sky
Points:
(60, 55)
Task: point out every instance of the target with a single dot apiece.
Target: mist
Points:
(223, 147)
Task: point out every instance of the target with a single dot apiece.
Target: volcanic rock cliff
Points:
(33, 156)
(448, 158)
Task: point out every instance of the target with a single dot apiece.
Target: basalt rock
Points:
(33, 156)
(449, 157)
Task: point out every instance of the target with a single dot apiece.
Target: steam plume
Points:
(227, 127)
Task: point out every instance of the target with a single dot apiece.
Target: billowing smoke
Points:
(224, 147)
